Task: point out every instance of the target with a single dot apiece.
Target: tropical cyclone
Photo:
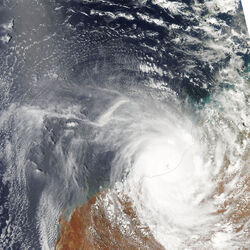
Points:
(146, 100)
(175, 185)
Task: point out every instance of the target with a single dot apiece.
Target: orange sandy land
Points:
(90, 227)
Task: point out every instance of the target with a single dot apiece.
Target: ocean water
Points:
(145, 98)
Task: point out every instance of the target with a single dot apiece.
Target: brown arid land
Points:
(107, 221)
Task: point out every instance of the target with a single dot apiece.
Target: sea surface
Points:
(143, 99)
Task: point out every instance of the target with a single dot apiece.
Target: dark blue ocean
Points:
(87, 87)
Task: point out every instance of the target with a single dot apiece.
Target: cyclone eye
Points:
(124, 124)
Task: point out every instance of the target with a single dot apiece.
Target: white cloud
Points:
(246, 8)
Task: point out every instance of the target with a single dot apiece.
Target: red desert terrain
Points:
(95, 226)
